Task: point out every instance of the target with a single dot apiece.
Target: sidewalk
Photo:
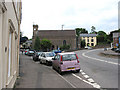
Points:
(110, 53)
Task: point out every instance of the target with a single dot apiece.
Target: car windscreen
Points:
(68, 57)
(39, 53)
(50, 54)
(31, 51)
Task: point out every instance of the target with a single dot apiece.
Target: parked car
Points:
(56, 51)
(26, 51)
(117, 50)
(113, 49)
(31, 52)
(36, 56)
(66, 62)
(46, 58)
(87, 47)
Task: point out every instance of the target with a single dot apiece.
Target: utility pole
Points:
(62, 27)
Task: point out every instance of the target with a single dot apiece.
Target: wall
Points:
(9, 31)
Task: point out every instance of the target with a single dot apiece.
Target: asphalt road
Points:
(35, 75)
(103, 70)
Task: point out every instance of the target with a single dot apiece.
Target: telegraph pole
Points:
(62, 27)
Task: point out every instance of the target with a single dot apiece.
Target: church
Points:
(57, 37)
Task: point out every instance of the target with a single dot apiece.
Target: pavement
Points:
(110, 52)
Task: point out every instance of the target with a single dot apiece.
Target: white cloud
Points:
(51, 14)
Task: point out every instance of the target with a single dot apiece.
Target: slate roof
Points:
(57, 33)
(88, 35)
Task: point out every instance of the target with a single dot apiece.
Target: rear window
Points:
(50, 54)
(68, 57)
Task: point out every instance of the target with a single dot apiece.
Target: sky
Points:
(52, 14)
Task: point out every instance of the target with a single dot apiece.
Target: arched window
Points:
(64, 42)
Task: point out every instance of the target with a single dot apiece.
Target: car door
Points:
(42, 57)
(58, 62)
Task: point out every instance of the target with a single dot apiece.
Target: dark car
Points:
(113, 49)
(56, 51)
(117, 50)
(26, 51)
(31, 52)
(36, 56)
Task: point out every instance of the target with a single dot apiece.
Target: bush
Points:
(65, 47)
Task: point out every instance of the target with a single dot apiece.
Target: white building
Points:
(10, 20)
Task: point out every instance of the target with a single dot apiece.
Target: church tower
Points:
(35, 28)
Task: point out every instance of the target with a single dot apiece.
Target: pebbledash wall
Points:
(10, 20)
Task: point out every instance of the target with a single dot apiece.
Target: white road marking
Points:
(81, 70)
(86, 76)
(82, 73)
(97, 58)
(95, 85)
(90, 80)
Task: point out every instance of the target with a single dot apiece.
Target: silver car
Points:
(46, 58)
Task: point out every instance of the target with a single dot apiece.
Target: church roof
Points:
(57, 33)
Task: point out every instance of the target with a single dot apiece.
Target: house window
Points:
(88, 44)
(92, 40)
(92, 44)
(9, 60)
(64, 42)
(87, 40)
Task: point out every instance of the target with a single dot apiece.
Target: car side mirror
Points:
(53, 59)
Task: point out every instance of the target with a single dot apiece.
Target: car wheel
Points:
(40, 62)
(78, 70)
(53, 67)
(59, 71)
(47, 63)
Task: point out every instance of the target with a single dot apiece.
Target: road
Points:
(36, 75)
(103, 70)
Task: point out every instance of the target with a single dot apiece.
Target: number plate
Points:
(71, 68)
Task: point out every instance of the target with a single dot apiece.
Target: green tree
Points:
(101, 37)
(83, 44)
(65, 47)
(45, 44)
(80, 31)
(37, 44)
(93, 30)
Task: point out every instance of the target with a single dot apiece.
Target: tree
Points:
(101, 37)
(83, 44)
(37, 44)
(80, 31)
(45, 44)
(93, 30)
(23, 39)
